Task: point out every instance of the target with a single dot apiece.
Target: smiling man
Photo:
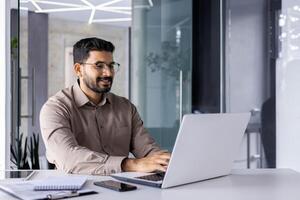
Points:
(89, 130)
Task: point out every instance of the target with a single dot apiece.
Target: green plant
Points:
(14, 47)
(34, 151)
(19, 153)
(170, 60)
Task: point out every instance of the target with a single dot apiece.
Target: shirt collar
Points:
(81, 99)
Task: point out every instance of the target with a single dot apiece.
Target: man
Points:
(88, 130)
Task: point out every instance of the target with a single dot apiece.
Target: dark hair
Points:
(82, 48)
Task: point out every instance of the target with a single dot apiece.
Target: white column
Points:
(4, 79)
(288, 87)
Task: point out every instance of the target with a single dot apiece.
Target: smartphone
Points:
(115, 185)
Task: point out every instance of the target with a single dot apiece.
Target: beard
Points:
(96, 86)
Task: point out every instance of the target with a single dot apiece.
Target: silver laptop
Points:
(205, 148)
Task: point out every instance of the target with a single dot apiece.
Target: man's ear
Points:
(77, 69)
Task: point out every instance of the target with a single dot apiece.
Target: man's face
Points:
(96, 79)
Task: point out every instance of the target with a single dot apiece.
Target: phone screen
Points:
(115, 185)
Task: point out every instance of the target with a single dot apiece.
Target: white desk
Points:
(252, 184)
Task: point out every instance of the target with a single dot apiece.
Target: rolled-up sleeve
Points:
(63, 150)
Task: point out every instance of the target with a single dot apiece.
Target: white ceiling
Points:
(114, 12)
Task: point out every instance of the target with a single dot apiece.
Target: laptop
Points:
(205, 148)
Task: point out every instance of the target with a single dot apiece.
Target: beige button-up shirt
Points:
(81, 137)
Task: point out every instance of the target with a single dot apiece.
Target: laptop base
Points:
(137, 181)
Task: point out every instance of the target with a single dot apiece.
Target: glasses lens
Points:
(100, 65)
(115, 67)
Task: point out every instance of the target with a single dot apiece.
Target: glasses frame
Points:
(110, 66)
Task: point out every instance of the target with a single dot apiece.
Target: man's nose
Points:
(107, 71)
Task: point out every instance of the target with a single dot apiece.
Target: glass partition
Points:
(161, 65)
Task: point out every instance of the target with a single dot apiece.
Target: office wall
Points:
(245, 62)
(288, 87)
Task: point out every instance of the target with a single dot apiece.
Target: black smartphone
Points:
(115, 185)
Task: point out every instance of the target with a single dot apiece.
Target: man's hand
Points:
(156, 162)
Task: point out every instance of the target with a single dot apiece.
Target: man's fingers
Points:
(165, 156)
(160, 168)
(153, 163)
(162, 161)
(161, 152)
(162, 156)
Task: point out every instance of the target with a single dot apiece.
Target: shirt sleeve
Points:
(63, 150)
(142, 144)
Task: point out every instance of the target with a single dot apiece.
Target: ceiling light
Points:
(59, 3)
(113, 20)
(114, 11)
(87, 5)
(92, 15)
(35, 5)
(150, 3)
(119, 8)
(24, 8)
(62, 10)
(109, 3)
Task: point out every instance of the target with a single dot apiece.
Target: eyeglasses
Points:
(113, 67)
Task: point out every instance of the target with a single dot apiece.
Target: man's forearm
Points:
(84, 161)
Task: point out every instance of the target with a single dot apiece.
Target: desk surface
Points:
(264, 184)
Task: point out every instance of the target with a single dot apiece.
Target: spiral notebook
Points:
(24, 190)
(60, 183)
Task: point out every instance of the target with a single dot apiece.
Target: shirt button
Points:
(113, 171)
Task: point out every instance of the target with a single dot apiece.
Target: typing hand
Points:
(155, 162)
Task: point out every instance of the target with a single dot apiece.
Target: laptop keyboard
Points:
(153, 177)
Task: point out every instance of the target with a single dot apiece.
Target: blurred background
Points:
(176, 56)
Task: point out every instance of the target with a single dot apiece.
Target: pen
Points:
(74, 193)
(61, 195)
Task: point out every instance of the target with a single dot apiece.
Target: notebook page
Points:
(60, 183)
